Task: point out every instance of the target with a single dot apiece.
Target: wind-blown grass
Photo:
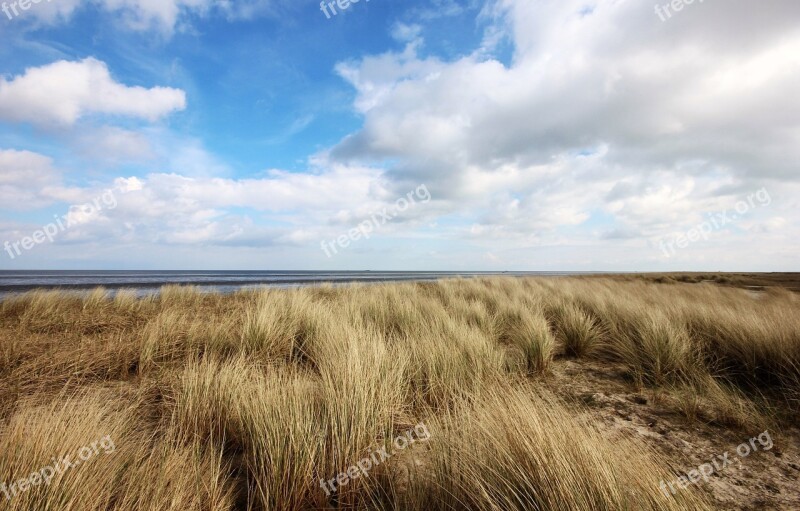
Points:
(246, 401)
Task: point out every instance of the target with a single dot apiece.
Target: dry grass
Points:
(528, 331)
(577, 330)
(513, 447)
(245, 401)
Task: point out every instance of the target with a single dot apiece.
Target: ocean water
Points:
(144, 282)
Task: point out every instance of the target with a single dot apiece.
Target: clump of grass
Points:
(126, 469)
(280, 422)
(205, 398)
(657, 350)
(36, 434)
(391, 312)
(177, 478)
(451, 364)
(472, 313)
(271, 419)
(528, 332)
(274, 324)
(126, 301)
(517, 448)
(164, 339)
(51, 312)
(97, 298)
(711, 400)
(173, 295)
(363, 390)
(175, 336)
(577, 331)
(752, 347)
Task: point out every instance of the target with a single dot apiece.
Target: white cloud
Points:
(404, 32)
(249, 9)
(30, 181)
(50, 12)
(278, 208)
(591, 98)
(279, 191)
(25, 179)
(61, 93)
(438, 9)
(162, 16)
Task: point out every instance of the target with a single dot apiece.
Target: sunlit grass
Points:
(245, 401)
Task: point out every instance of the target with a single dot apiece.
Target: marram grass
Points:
(246, 401)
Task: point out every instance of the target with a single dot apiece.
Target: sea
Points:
(147, 282)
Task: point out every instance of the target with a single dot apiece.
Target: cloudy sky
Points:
(547, 134)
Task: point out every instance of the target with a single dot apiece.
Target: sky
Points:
(591, 135)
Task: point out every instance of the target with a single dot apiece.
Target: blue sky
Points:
(547, 135)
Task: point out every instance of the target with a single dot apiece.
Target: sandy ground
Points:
(764, 480)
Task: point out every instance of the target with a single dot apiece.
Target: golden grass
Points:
(246, 401)
(529, 332)
(140, 472)
(513, 447)
(577, 329)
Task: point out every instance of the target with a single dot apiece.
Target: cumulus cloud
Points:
(30, 180)
(180, 209)
(315, 194)
(592, 97)
(63, 92)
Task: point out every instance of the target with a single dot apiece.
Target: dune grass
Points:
(246, 401)
(515, 447)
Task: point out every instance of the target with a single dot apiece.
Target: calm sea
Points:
(222, 281)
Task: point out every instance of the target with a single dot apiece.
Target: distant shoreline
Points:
(229, 281)
(222, 281)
